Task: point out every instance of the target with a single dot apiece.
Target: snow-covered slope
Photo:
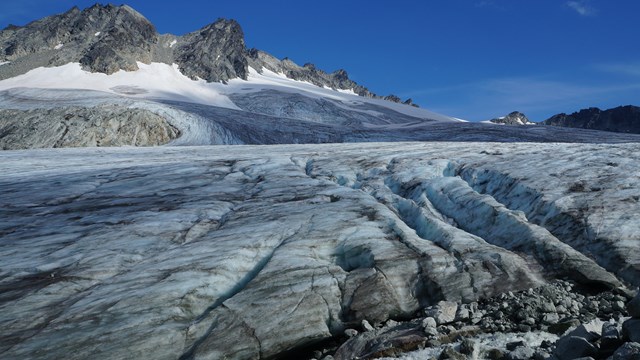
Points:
(166, 82)
(267, 108)
(247, 252)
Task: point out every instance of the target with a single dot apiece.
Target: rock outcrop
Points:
(214, 53)
(107, 125)
(624, 119)
(102, 38)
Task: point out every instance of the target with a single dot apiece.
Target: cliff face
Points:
(102, 38)
(621, 119)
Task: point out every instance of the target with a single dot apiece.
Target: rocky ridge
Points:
(108, 38)
(620, 119)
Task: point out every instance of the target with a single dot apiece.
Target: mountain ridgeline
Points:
(624, 119)
(108, 38)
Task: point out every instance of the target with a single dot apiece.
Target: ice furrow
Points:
(575, 228)
(252, 274)
(484, 216)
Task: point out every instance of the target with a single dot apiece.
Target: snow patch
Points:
(5, 63)
(58, 47)
(347, 91)
(172, 43)
(97, 34)
(155, 81)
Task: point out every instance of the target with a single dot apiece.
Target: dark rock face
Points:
(621, 119)
(514, 118)
(129, 38)
(102, 38)
(214, 53)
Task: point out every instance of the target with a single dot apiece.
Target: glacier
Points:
(250, 252)
(267, 108)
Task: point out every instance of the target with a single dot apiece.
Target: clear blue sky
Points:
(474, 59)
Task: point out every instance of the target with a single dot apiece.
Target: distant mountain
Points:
(514, 118)
(108, 38)
(625, 119)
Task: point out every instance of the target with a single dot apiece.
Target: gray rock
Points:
(463, 313)
(468, 347)
(450, 353)
(628, 351)
(633, 307)
(495, 354)
(351, 333)
(550, 319)
(430, 326)
(521, 353)
(390, 342)
(631, 330)
(107, 125)
(611, 338)
(366, 326)
(590, 331)
(572, 347)
(444, 312)
(541, 355)
(515, 344)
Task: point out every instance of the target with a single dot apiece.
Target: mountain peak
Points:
(109, 38)
(513, 118)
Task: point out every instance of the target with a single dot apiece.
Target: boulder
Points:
(628, 351)
(633, 307)
(631, 330)
(444, 312)
(468, 346)
(521, 353)
(573, 347)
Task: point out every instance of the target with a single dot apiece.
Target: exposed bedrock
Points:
(106, 125)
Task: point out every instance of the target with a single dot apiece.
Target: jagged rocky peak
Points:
(103, 38)
(216, 52)
(109, 38)
(514, 118)
(128, 38)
